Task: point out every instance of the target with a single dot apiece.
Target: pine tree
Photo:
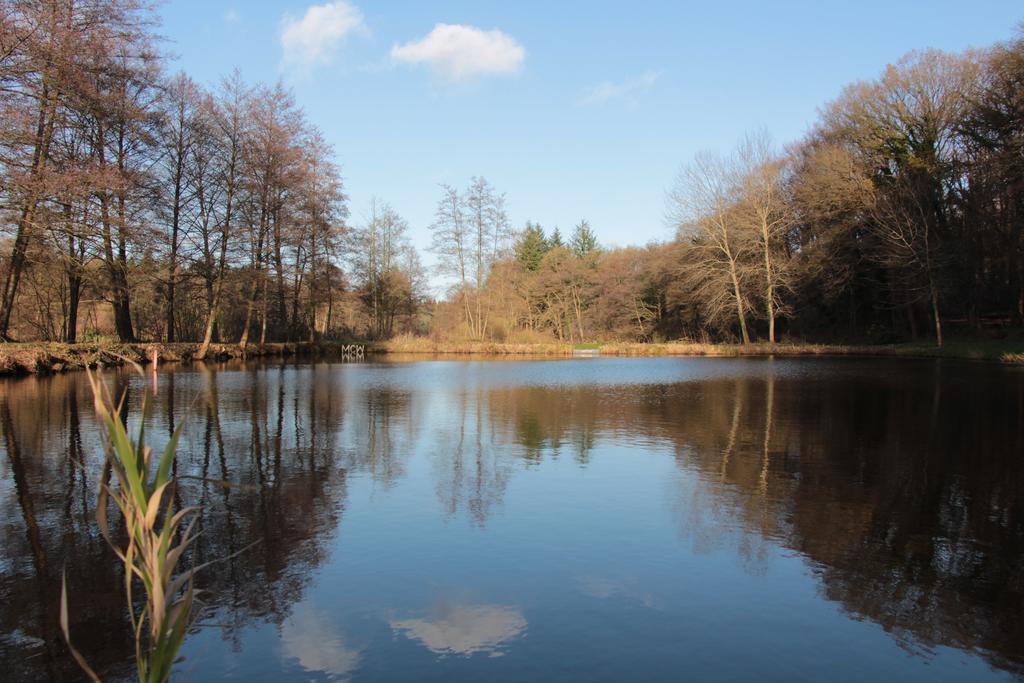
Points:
(531, 247)
(555, 240)
(583, 241)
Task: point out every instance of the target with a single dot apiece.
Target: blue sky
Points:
(574, 110)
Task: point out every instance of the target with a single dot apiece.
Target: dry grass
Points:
(733, 350)
(424, 345)
(19, 359)
(1004, 351)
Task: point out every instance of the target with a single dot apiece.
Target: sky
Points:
(575, 110)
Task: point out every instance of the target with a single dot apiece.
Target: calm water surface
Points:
(590, 519)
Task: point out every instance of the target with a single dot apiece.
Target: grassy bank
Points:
(424, 345)
(1007, 351)
(45, 358)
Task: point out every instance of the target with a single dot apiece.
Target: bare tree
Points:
(323, 213)
(703, 207)
(767, 213)
(180, 121)
(51, 56)
(470, 232)
(905, 126)
(450, 242)
(37, 56)
(909, 246)
(384, 264)
(271, 163)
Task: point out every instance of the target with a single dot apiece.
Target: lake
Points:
(572, 519)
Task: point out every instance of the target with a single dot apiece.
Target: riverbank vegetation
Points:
(54, 357)
(140, 205)
(49, 358)
(1009, 350)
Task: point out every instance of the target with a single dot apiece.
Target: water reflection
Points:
(464, 629)
(604, 588)
(311, 639)
(899, 483)
(470, 460)
(281, 506)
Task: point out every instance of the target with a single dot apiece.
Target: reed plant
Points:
(156, 538)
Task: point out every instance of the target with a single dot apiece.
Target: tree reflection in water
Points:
(907, 497)
(275, 504)
(903, 490)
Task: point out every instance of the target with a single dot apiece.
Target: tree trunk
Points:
(214, 308)
(115, 265)
(770, 294)
(295, 327)
(251, 303)
(122, 306)
(330, 305)
(578, 309)
(912, 321)
(282, 311)
(74, 299)
(936, 316)
(739, 302)
(1015, 272)
(172, 266)
(469, 310)
(122, 292)
(263, 313)
(14, 270)
(933, 290)
(254, 290)
(26, 223)
(314, 330)
(211, 317)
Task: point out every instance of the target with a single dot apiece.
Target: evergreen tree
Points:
(531, 246)
(555, 240)
(583, 241)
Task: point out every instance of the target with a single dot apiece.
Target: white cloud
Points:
(610, 90)
(315, 38)
(232, 16)
(455, 52)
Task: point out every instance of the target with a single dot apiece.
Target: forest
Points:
(138, 204)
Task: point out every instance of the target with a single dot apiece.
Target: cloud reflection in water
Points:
(464, 629)
(310, 638)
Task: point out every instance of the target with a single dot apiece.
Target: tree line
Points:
(163, 210)
(899, 215)
(141, 204)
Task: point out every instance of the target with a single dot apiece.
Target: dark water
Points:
(592, 519)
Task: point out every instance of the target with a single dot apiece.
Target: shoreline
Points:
(31, 358)
(1000, 351)
(45, 358)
